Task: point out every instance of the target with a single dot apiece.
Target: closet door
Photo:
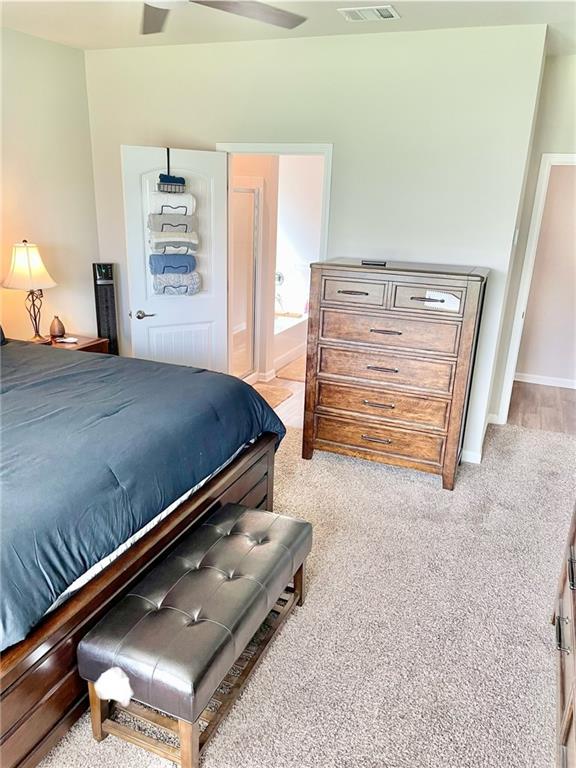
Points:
(171, 323)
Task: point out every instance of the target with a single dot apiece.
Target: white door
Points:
(169, 323)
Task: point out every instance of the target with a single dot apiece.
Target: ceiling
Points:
(115, 24)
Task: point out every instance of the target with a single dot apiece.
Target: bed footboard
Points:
(41, 694)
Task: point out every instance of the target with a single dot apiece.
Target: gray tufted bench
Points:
(182, 628)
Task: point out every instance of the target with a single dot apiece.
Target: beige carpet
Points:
(425, 641)
(294, 371)
(273, 394)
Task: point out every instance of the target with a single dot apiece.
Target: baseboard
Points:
(267, 376)
(288, 357)
(546, 381)
(471, 457)
(252, 378)
(495, 418)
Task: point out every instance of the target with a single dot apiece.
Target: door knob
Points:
(140, 315)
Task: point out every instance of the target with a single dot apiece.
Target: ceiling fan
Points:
(154, 16)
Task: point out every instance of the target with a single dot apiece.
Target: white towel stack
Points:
(171, 232)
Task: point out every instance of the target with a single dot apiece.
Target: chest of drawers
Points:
(390, 360)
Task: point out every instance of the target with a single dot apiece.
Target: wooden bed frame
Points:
(41, 694)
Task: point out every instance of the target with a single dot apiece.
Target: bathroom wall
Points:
(300, 197)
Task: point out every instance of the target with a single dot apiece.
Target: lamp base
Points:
(37, 339)
(33, 306)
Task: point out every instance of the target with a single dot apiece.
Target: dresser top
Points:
(386, 266)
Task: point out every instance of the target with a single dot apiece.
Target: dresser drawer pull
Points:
(354, 293)
(559, 620)
(370, 439)
(425, 298)
(390, 406)
(387, 333)
(381, 369)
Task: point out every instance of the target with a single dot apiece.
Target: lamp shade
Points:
(27, 270)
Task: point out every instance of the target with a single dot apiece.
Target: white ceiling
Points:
(116, 23)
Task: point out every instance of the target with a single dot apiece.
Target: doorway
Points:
(543, 392)
(278, 214)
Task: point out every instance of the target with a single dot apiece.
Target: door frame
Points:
(253, 184)
(280, 148)
(548, 161)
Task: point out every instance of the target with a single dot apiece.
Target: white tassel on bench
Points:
(114, 684)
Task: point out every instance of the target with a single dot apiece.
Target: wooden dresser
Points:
(390, 356)
(565, 622)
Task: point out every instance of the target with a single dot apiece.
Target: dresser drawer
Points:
(428, 298)
(391, 331)
(416, 446)
(392, 406)
(353, 292)
(432, 376)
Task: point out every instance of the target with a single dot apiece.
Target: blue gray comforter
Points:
(94, 447)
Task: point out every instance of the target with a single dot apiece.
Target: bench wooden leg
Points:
(99, 711)
(189, 744)
(300, 583)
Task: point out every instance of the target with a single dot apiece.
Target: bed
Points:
(106, 462)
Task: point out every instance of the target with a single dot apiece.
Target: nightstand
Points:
(84, 344)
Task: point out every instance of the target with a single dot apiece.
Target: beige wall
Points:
(555, 132)
(430, 130)
(47, 180)
(548, 348)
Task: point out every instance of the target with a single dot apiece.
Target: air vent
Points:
(370, 13)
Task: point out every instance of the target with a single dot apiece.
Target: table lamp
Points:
(28, 273)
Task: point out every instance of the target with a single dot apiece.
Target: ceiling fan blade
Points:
(255, 10)
(153, 19)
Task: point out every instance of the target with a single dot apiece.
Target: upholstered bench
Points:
(181, 630)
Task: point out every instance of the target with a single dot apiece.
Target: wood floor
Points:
(536, 407)
(291, 411)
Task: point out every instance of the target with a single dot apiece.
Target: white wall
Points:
(431, 133)
(548, 348)
(555, 132)
(47, 180)
(300, 199)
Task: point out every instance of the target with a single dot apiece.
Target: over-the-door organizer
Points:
(172, 238)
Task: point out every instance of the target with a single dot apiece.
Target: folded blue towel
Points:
(166, 179)
(171, 263)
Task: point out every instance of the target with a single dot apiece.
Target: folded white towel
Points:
(157, 238)
(170, 222)
(164, 202)
(175, 284)
(181, 249)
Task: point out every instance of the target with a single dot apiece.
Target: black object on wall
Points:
(105, 304)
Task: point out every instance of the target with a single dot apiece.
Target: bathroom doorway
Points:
(278, 219)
